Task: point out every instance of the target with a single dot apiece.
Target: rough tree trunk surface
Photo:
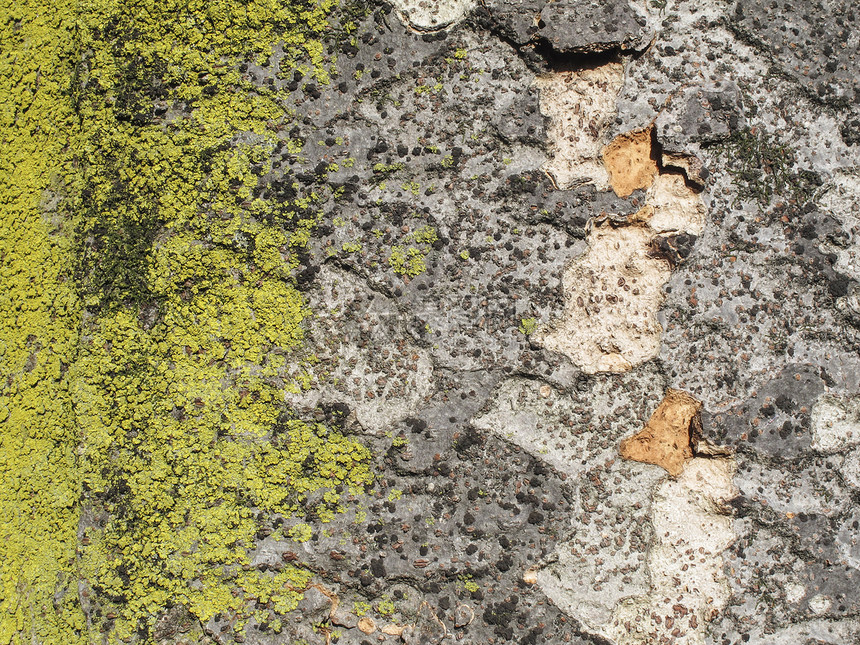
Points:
(479, 321)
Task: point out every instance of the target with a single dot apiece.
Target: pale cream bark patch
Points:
(688, 586)
(614, 291)
(432, 15)
(676, 207)
(835, 423)
(581, 106)
(612, 294)
(842, 201)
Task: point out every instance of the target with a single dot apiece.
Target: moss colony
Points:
(150, 317)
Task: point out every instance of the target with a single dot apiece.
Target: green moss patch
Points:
(762, 168)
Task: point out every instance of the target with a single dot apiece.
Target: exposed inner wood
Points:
(669, 437)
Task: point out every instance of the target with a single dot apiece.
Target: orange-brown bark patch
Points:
(630, 162)
(668, 438)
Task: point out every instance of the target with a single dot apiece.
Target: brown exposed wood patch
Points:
(366, 625)
(629, 158)
(392, 629)
(670, 435)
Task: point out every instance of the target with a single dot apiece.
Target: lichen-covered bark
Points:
(152, 317)
(39, 327)
(338, 323)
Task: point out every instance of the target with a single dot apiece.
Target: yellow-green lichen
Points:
(301, 532)
(39, 319)
(360, 608)
(425, 235)
(408, 262)
(528, 326)
(182, 367)
(412, 187)
(386, 606)
(155, 399)
(182, 448)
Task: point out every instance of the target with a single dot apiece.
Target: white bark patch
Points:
(842, 201)
(432, 15)
(602, 564)
(835, 423)
(680, 586)
(676, 207)
(536, 417)
(819, 631)
(612, 293)
(850, 469)
(383, 386)
(848, 540)
(688, 586)
(603, 561)
(581, 108)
